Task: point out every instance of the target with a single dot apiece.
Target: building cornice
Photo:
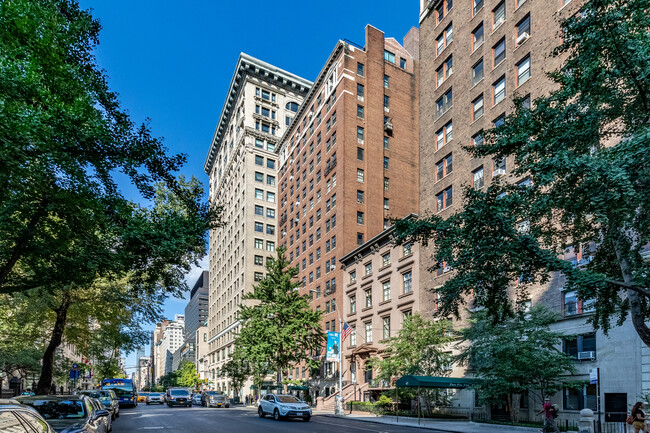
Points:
(250, 66)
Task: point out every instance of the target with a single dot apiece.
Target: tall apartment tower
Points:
(242, 166)
(196, 313)
(156, 355)
(478, 55)
(172, 339)
(348, 163)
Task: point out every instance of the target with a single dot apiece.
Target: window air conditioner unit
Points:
(586, 355)
(499, 172)
(296, 220)
(298, 203)
(388, 126)
(522, 38)
(290, 177)
(332, 267)
(284, 233)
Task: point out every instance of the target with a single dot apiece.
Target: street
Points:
(240, 419)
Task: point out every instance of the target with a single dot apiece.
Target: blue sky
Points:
(172, 61)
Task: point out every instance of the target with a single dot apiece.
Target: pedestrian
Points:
(549, 419)
(639, 418)
(246, 400)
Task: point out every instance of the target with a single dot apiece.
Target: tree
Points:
(169, 380)
(279, 328)
(238, 370)
(187, 375)
(418, 349)
(515, 356)
(586, 150)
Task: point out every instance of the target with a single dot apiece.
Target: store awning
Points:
(434, 382)
(297, 388)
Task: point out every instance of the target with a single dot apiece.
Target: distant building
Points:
(202, 351)
(156, 356)
(196, 313)
(172, 339)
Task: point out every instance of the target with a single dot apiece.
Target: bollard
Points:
(586, 424)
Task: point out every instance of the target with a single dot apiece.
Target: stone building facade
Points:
(242, 167)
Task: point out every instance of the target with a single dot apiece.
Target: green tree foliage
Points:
(187, 375)
(419, 350)
(516, 356)
(278, 328)
(169, 380)
(238, 370)
(586, 150)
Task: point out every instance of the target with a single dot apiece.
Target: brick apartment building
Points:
(348, 163)
(476, 56)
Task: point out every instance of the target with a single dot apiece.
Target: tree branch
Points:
(639, 290)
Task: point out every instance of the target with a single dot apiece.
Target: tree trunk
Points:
(514, 400)
(638, 319)
(45, 381)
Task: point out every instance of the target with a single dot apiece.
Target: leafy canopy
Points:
(585, 149)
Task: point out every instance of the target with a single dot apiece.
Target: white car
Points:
(283, 406)
(196, 398)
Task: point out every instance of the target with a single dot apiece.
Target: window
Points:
(498, 15)
(270, 197)
(386, 163)
(444, 135)
(368, 326)
(368, 268)
(270, 163)
(523, 70)
(385, 291)
(499, 165)
(259, 160)
(580, 398)
(386, 327)
(353, 304)
(444, 167)
(499, 53)
(478, 4)
(444, 103)
(577, 345)
(386, 183)
(259, 210)
(478, 178)
(270, 229)
(444, 199)
(386, 204)
(386, 142)
(292, 106)
(407, 249)
(477, 110)
(259, 244)
(407, 282)
(389, 57)
(368, 297)
(386, 81)
(353, 276)
(360, 196)
(360, 153)
(259, 194)
(523, 30)
(360, 91)
(360, 218)
(360, 111)
(270, 246)
(477, 72)
(499, 90)
(360, 175)
(386, 101)
(259, 227)
(259, 260)
(270, 213)
(258, 276)
(360, 69)
(385, 259)
(270, 180)
(360, 238)
(499, 121)
(574, 306)
(478, 37)
(402, 62)
(353, 336)
(444, 39)
(259, 143)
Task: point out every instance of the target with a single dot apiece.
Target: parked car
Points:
(214, 398)
(178, 397)
(108, 398)
(142, 397)
(196, 398)
(97, 405)
(156, 398)
(283, 406)
(19, 418)
(69, 414)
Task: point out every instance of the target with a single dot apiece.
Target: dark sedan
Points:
(18, 418)
(108, 398)
(69, 414)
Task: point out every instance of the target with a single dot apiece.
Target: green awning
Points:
(434, 382)
(297, 388)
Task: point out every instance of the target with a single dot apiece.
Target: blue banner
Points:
(333, 349)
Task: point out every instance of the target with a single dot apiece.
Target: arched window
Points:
(293, 106)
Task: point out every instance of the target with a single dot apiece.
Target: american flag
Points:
(347, 330)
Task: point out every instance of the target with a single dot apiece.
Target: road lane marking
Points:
(150, 428)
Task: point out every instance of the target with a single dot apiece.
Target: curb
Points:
(395, 424)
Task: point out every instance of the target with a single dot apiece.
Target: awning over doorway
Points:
(434, 382)
(297, 388)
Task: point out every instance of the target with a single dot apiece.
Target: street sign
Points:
(593, 376)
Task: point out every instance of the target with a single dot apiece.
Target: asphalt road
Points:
(162, 419)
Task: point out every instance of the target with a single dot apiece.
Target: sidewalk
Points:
(452, 426)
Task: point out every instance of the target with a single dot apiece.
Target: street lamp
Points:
(338, 409)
